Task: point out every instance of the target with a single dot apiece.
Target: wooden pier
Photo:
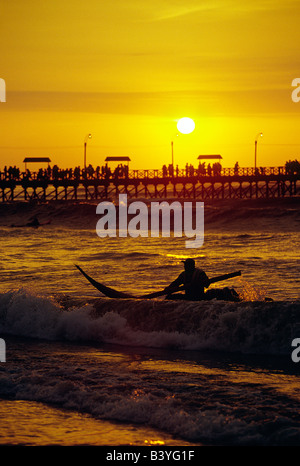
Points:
(268, 182)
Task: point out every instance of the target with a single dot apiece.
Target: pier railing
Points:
(191, 171)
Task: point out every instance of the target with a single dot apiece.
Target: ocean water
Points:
(83, 369)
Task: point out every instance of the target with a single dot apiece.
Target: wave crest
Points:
(247, 327)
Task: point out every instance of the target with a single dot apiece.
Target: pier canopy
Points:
(209, 157)
(36, 160)
(117, 159)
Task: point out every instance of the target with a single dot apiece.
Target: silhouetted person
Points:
(33, 223)
(194, 279)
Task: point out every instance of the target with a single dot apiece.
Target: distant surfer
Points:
(194, 281)
(34, 223)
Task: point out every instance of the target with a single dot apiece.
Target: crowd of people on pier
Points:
(13, 173)
(292, 167)
(104, 172)
(56, 173)
(190, 170)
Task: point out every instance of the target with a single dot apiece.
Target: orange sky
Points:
(126, 71)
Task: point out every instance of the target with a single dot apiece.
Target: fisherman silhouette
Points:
(194, 279)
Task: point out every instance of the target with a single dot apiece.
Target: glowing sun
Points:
(185, 125)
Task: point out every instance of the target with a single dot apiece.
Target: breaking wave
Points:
(247, 327)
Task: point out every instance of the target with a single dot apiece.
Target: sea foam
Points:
(249, 327)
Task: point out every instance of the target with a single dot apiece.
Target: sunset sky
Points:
(126, 71)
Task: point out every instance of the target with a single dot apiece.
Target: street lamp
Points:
(255, 151)
(172, 146)
(88, 136)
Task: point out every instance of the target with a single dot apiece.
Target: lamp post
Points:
(255, 151)
(88, 136)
